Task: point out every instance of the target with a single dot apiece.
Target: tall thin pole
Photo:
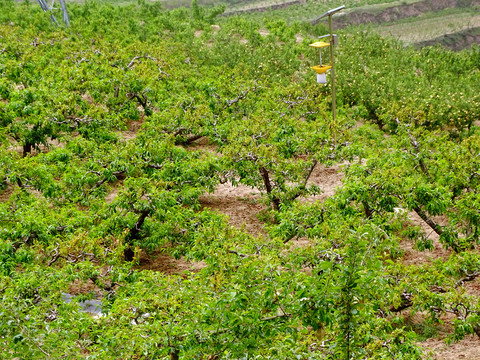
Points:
(329, 13)
(66, 18)
(44, 6)
(332, 60)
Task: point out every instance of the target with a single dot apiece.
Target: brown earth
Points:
(244, 205)
(328, 179)
(114, 187)
(413, 256)
(159, 261)
(263, 32)
(78, 287)
(436, 346)
(202, 144)
(466, 349)
(6, 193)
(240, 203)
(132, 129)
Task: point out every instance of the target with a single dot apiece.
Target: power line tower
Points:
(44, 6)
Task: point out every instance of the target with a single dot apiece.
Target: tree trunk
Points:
(128, 254)
(134, 234)
(27, 149)
(366, 208)
(268, 187)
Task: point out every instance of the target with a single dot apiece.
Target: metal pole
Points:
(66, 18)
(44, 6)
(332, 63)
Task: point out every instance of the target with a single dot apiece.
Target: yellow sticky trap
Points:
(320, 69)
(319, 44)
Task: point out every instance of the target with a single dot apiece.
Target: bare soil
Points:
(203, 144)
(159, 261)
(6, 193)
(466, 349)
(472, 288)
(132, 129)
(436, 347)
(79, 287)
(329, 179)
(115, 186)
(413, 256)
(264, 32)
(240, 203)
(244, 205)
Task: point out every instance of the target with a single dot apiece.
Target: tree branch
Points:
(268, 187)
(240, 96)
(468, 277)
(130, 65)
(416, 147)
(407, 301)
(142, 100)
(104, 180)
(134, 234)
(304, 184)
(435, 227)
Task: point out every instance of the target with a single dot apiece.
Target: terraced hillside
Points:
(453, 23)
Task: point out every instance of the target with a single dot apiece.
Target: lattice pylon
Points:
(43, 4)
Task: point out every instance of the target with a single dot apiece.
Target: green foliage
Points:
(437, 87)
(99, 169)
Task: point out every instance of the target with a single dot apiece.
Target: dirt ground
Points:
(159, 261)
(413, 256)
(466, 349)
(5, 193)
(436, 347)
(242, 204)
